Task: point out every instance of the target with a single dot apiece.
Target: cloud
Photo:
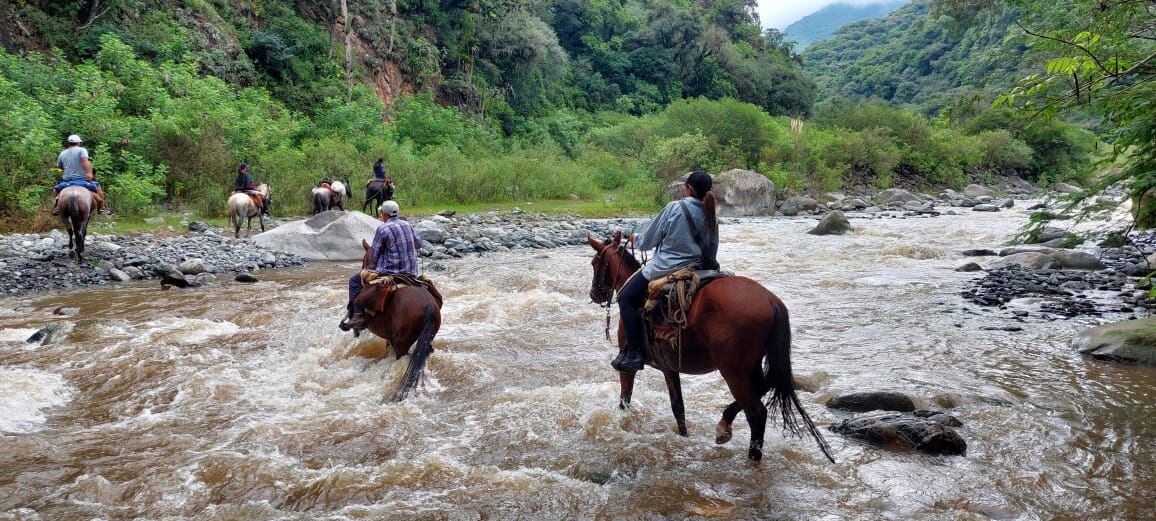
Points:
(781, 13)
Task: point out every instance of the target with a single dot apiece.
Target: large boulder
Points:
(835, 223)
(974, 190)
(1026, 260)
(925, 431)
(739, 193)
(1128, 341)
(332, 235)
(1065, 188)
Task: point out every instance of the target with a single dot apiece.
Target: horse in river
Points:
(243, 207)
(325, 199)
(378, 191)
(77, 204)
(409, 321)
(735, 326)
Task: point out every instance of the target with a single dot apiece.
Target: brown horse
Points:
(734, 326)
(411, 318)
(77, 205)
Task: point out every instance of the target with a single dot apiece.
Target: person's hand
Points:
(88, 177)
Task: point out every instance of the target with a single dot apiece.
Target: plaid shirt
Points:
(395, 248)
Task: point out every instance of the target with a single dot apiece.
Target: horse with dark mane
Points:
(734, 326)
(378, 191)
(409, 321)
(77, 206)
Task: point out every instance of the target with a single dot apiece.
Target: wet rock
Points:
(245, 278)
(978, 253)
(49, 334)
(198, 226)
(969, 267)
(66, 311)
(1128, 341)
(835, 223)
(1028, 260)
(134, 272)
(871, 401)
(118, 275)
(907, 431)
(790, 208)
(985, 208)
(1005, 203)
(1051, 233)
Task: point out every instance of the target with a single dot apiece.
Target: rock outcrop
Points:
(331, 235)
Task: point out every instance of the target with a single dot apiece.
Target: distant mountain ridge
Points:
(822, 24)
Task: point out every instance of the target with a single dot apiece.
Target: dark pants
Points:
(354, 291)
(630, 300)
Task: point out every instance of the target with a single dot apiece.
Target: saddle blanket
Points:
(378, 288)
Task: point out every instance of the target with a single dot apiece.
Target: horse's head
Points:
(613, 264)
(367, 259)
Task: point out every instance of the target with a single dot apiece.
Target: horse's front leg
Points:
(674, 387)
(261, 219)
(626, 381)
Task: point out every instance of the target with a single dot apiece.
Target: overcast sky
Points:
(781, 13)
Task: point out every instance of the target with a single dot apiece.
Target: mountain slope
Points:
(822, 24)
(915, 56)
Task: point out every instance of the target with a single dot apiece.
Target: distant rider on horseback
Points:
(394, 251)
(77, 171)
(684, 234)
(244, 183)
(379, 170)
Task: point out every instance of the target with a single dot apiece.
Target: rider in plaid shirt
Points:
(394, 250)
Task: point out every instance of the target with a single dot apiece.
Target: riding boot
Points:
(56, 205)
(357, 321)
(630, 361)
(100, 208)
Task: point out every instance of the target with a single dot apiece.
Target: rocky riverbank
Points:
(34, 263)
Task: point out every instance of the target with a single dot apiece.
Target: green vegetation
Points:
(822, 24)
(473, 105)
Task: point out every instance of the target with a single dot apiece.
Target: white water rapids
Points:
(245, 402)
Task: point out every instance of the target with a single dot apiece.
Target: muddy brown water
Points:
(246, 402)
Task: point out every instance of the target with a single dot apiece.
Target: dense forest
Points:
(469, 102)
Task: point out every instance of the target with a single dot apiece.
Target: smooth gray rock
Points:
(738, 192)
(1065, 188)
(198, 226)
(118, 275)
(969, 267)
(985, 208)
(1078, 260)
(194, 266)
(332, 235)
(790, 208)
(895, 195)
(975, 190)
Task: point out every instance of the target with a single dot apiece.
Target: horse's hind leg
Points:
(674, 387)
(722, 431)
(745, 387)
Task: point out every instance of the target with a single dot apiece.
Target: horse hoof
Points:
(754, 454)
(722, 436)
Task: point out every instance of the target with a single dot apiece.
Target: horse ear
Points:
(594, 243)
(617, 237)
(364, 244)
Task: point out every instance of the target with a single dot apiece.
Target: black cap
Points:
(701, 183)
(242, 166)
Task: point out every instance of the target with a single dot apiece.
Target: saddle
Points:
(378, 288)
(669, 299)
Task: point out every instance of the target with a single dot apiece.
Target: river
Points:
(245, 401)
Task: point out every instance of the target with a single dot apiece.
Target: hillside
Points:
(822, 24)
(915, 56)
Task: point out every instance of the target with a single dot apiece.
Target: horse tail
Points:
(419, 354)
(781, 382)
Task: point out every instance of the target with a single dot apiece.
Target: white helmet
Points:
(389, 208)
(74, 139)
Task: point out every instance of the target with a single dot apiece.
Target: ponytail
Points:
(709, 210)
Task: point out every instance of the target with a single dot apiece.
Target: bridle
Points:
(602, 268)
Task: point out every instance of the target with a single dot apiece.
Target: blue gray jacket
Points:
(670, 235)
